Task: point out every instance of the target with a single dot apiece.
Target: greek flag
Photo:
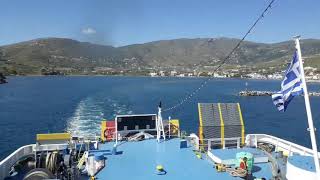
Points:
(291, 85)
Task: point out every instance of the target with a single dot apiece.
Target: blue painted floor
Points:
(138, 161)
(303, 162)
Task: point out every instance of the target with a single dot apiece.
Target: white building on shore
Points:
(153, 74)
(173, 73)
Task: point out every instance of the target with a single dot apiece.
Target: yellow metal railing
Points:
(200, 128)
(53, 136)
(242, 124)
(221, 126)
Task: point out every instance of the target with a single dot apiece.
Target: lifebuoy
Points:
(108, 134)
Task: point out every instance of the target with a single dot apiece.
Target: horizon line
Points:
(141, 43)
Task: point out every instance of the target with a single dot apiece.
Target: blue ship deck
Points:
(138, 160)
(303, 162)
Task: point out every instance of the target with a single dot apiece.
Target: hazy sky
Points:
(122, 22)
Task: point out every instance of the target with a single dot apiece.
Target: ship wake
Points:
(90, 111)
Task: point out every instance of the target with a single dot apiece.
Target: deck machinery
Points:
(130, 147)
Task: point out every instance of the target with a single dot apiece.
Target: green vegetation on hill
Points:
(68, 56)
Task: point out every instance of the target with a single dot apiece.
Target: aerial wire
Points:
(224, 61)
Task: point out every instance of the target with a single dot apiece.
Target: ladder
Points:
(159, 125)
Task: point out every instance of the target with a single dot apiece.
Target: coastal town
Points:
(312, 74)
(245, 72)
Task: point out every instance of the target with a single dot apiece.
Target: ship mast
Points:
(159, 125)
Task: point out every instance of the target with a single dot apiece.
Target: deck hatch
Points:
(221, 121)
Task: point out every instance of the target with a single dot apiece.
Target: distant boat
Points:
(2, 79)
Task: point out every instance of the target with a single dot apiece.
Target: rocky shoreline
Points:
(2, 79)
(268, 93)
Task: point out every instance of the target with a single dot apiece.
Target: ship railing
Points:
(92, 138)
(9, 161)
(50, 147)
(122, 134)
(223, 143)
(285, 146)
(192, 139)
(208, 144)
(120, 137)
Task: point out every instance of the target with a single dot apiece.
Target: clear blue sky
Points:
(122, 22)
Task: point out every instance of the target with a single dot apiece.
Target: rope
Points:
(139, 136)
(266, 147)
(51, 161)
(237, 172)
(79, 151)
(225, 60)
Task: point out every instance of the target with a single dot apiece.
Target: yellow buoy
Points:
(159, 167)
(198, 156)
(160, 170)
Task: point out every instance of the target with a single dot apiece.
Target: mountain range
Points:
(35, 56)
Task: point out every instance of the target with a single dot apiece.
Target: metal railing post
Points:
(238, 143)
(256, 141)
(224, 144)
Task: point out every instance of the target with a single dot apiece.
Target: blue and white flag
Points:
(291, 85)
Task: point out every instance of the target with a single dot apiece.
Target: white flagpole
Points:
(308, 109)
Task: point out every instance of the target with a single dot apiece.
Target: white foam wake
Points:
(90, 111)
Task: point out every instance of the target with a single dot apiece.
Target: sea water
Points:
(31, 105)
